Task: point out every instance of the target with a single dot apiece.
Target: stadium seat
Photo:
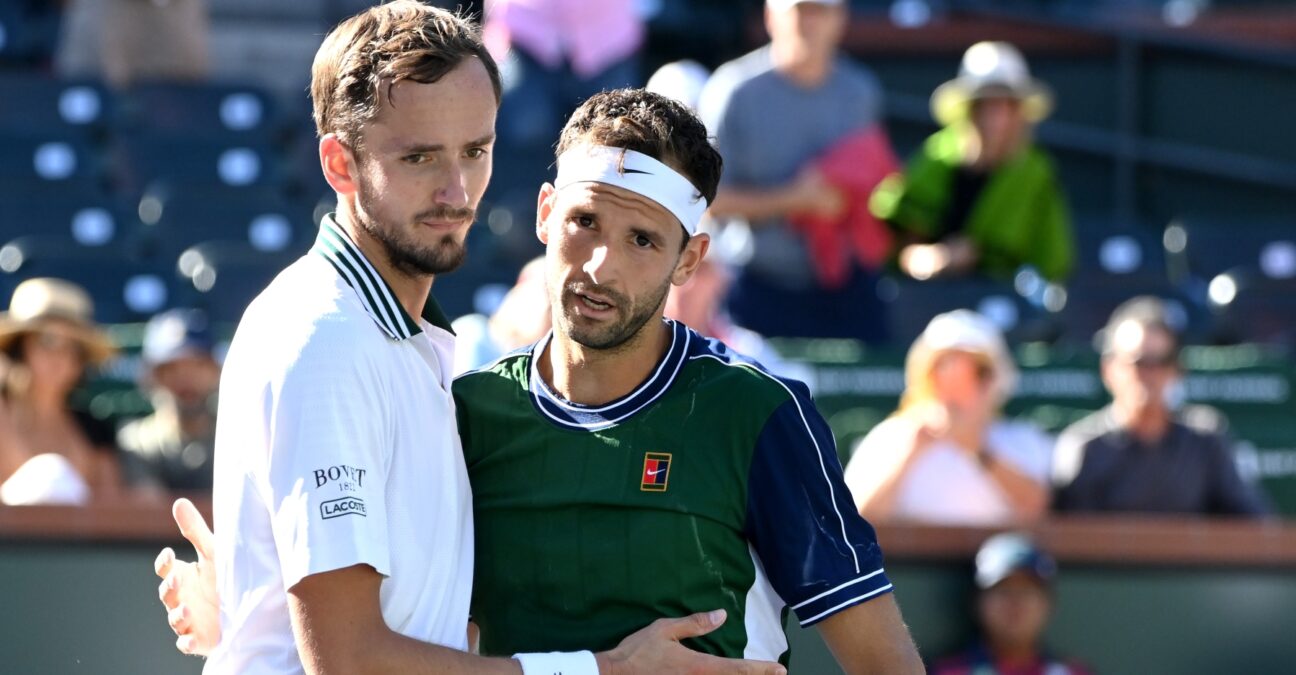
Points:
(51, 107)
(1209, 249)
(176, 217)
(52, 158)
(228, 113)
(28, 31)
(1250, 305)
(222, 277)
(912, 304)
(89, 216)
(124, 287)
(144, 162)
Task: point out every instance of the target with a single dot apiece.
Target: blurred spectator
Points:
(48, 452)
(946, 456)
(552, 54)
(1014, 580)
(979, 196)
(680, 80)
(172, 448)
(785, 117)
(698, 304)
(123, 41)
(521, 319)
(1144, 452)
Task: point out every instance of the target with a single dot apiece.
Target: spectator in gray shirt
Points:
(774, 112)
(1142, 453)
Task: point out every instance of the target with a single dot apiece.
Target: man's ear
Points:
(339, 164)
(544, 208)
(694, 252)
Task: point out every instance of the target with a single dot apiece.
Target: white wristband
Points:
(558, 663)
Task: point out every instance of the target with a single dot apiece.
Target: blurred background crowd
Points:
(1032, 256)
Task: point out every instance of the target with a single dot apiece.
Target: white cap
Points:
(780, 5)
(967, 331)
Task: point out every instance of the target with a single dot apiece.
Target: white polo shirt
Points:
(336, 445)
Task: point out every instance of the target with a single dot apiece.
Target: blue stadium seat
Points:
(48, 158)
(92, 218)
(144, 162)
(222, 277)
(28, 31)
(51, 107)
(124, 287)
(1209, 249)
(228, 113)
(1250, 304)
(177, 217)
(912, 304)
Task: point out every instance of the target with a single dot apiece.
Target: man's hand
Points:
(656, 649)
(813, 194)
(188, 589)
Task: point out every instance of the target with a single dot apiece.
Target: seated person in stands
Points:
(172, 448)
(947, 456)
(1143, 453)
(1014, 580)
(50, 454)
(521, 318)
(980, 197)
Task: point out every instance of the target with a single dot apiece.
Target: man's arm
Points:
(808, 193)
(871, 638)
(338, 624)
(339, 628)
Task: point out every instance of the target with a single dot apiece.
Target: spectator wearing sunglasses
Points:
(49, 453)
(1146, 452)
(947, 456)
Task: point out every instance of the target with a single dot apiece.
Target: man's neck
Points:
(1149, 425)
(1013, 655)
(598, 376)
(805, 72)
(411, 290)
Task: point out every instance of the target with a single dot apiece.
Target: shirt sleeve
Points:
(329, 454)
(820, 556)
(1231, 494)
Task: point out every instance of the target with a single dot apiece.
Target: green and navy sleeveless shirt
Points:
(712, 485)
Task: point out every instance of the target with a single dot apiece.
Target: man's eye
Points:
(477, 153)
(643, 242)
(585, 221)
(415, 159)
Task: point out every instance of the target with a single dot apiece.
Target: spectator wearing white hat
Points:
(979, 197)
(172, 448)
(48, 452)
(946, 455)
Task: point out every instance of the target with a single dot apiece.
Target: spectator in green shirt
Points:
(979, 197)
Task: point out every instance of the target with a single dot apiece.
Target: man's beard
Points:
(409, 256)
(631, 319)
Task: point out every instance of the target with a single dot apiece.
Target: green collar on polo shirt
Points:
(336, 246)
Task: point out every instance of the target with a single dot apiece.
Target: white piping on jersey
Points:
(830, 592)
(385, 309)
(539, 349)
(826, 612)
(538, 388)
(832, 496)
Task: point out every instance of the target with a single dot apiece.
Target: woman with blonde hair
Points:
(946, 455)
(48, 452)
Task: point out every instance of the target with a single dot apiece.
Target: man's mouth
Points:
(594, 302)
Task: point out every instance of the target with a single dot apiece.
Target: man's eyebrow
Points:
(438, 147)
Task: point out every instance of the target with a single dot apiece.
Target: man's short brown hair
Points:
(366, 55)
(657, 126)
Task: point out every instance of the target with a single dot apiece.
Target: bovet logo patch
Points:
(346, 506)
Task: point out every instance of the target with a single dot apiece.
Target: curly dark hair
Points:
(367, 54)
(657, 126)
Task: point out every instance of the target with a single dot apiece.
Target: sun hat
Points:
(991, 69)
(961, 330)
(39, 303)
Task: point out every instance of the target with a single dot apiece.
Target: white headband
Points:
(637, 173)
